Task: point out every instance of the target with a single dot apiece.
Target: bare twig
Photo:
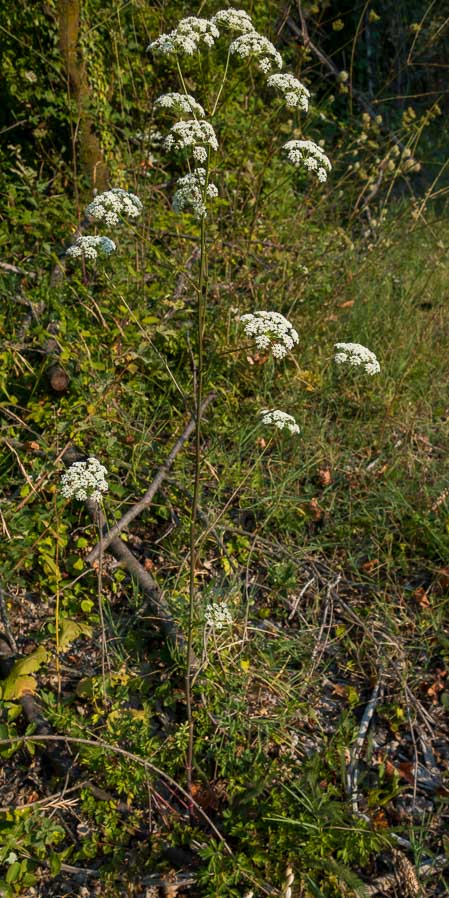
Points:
(14, 269)
(325, 60)
(120, 551)
(147, 499)
(353, 768)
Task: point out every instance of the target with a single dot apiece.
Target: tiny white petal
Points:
(356, 355)
(308, 154)
(84, 480)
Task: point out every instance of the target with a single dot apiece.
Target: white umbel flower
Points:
(270, 330)
(308, 154)
(280, 419)
(234, 20)
(180, 103)
(113, 205)
(356, 355)
(84, 480)
(187, 37)
(191, 133)
(88, 247)
(193, 193)
(253, 44)
(217, 616)
(295, 94)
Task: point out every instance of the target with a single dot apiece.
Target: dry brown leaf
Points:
(325, 476)
(369, 566)
(315, 510)
(420, 595)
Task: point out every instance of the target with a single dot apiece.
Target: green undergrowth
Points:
(356, 499)
(330, 549)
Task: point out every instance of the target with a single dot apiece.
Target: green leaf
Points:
(55, 864)
(16, 686)
(13, 872)
(18, 681)
(31, 663)
(70, 630)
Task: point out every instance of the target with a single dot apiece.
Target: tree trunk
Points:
(91, 162)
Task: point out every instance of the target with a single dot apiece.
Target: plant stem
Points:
(222, 84)
(57, 609)
(201, 313)
(104, 651)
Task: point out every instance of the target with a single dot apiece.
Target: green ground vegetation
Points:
(329, 548)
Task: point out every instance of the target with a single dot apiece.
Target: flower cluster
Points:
(192, 134)
(280, 420)
(84, 480)
(192, 191)
(295, 94)
(217, 616)
(357, 356)
(254, 44)
(113, 205)
(180, 103)
(234, 20)
(89, 247)
(187, 37)
(310, 155)
(270, 330)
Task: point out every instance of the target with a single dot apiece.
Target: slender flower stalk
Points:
(201, 318)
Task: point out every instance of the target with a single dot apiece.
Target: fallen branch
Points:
(158, 880)
(146, 500)
(14, 269)
(120, 551)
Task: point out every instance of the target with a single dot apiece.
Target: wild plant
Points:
(192, 139)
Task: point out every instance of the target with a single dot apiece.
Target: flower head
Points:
(89, 247)
(192, 133)
(356, 355)
(308, 154)
(270, 331)
(253, 44)
(280, 420)
(84, 480)
(187, 37)
(296, 95)
(234, 20)
(112, 205)
(218, 616)
(180, 103)
(192, 191)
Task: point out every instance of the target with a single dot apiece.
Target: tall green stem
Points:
(201, 314)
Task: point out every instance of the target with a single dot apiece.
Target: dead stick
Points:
(14, 269)
(148, 585)
(147, 499)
